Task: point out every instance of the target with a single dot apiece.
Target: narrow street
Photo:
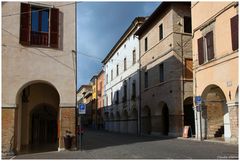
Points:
(106, 145)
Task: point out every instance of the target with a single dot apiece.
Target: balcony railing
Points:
(39, 38)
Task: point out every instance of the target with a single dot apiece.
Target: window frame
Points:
(161, 31)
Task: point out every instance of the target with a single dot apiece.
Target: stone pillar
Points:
(67, 122)
(233, 117)
(8, 117)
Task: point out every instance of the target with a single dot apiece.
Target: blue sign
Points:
(82, 108)
(198, 100)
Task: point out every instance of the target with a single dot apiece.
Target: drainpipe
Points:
(140, 95)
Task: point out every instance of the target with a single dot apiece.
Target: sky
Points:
(99, 27)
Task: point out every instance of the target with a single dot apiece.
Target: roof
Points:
(156, 14)
(137, 21)
(94, 77)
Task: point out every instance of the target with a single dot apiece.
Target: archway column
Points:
(233, 120)
(66, 122)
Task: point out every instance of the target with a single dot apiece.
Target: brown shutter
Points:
(234, 32)
(25, 24)
(200, 51)
(210, 46)
(188, 68)
(54, 27)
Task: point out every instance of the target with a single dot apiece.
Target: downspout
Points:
(140, 91)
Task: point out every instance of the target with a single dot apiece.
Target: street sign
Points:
(198, 100)
(82, 108)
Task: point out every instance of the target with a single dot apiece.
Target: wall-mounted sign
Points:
(82, 108)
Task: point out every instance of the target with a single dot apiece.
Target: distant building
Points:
(84, 95)
(38, 74)
(166, 70)
(121, 67)
(215, 57)
(100, 99)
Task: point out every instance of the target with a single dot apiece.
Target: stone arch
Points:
(29, 96)
(146, 120)
(215, 113)
(189, 114)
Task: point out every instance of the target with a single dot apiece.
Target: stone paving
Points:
(106, 145)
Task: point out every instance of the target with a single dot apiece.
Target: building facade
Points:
(121, 67)
(93, 83)
(37, 63)
(215, 64)
(100, 99)
(166, 70)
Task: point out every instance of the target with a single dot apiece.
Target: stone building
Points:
(166, 70)
(38, 74)
(100, 99)
(121, 85)
(215, 64)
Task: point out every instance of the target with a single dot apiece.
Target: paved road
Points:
(105, 145)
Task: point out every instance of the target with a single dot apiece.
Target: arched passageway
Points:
(215, 113)
(165, 119)
(37, 118)
(43, 125)
(117, 122)
(189, 114)
(146, 120)
(124, 122)
(132, 122)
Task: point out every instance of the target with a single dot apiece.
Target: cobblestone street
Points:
(105, 145)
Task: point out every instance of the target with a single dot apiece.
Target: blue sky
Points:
(99, 26)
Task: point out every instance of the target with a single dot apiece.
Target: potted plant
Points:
(68, 139)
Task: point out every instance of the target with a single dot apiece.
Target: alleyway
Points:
(105, 145)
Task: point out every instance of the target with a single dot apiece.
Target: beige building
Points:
(166, 70)
(215, 63)
(38, 75)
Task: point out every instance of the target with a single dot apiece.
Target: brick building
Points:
(38, 74)
(166, 70)
(215, 64)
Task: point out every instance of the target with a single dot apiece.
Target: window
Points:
(188, 68)
(117, 71)
(234, 32)
(161, 32)
(133, 90)
(187, 24)
(146, 44)
(125, 92)
(146, 79)
(117, 97)
(35, 28)
(161, 73)
(106, 100)
(111, 75)
(111, 98)
(205, 48)
(125, 64)
(106, 78)
(134, 56)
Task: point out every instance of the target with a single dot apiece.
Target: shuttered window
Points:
(161, 73)
(200, 51)
(210, 47)
(54, 27)
(34, 26)
(188, 69)
(234, 32)
(146, 79)
(146, 43)
(24, 24)
(205, 48)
